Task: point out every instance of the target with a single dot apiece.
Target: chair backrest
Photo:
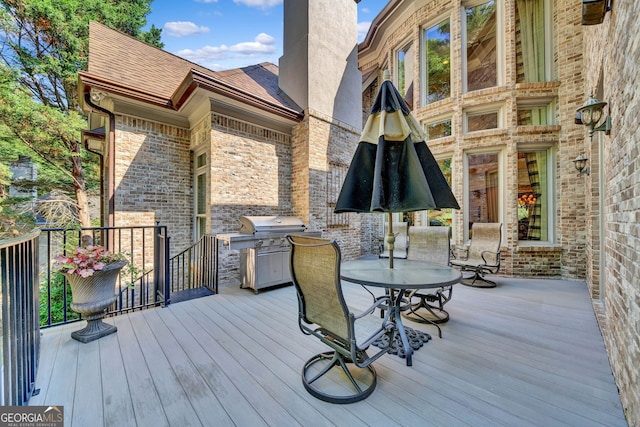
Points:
(485, 237)
(315, 272)
(401, 244)
(430, 244)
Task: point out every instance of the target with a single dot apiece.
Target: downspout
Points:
(111, 150)
(86, 147)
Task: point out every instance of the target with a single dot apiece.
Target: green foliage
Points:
(58, 293)
(43, 45)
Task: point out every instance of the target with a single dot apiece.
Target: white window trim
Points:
(424, 215)
(396, 75)
(423, 54)
(549, 102)
(501, 152)
(197, 171)
(552, 220)
(484, 109)
(500, 48)
(436, 120)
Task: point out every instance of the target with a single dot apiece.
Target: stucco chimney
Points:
(319, 65)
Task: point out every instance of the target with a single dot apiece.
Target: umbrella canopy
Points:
(393, 170)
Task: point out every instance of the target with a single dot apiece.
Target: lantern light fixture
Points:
(590, 115)
(581, 165)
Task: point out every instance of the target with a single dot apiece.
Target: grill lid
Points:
(270, 224)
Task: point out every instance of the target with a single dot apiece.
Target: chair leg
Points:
(330, 387)
(478, 275)
(414, 316)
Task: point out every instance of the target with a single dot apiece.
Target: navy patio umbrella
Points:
(392, 169)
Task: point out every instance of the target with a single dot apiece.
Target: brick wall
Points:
(153, 177)
(566, 256)
(251, 174)
(611, 69)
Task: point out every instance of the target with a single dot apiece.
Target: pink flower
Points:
(86, 260)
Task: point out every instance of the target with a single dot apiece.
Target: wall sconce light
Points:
(590, 115)
(581, 165)
(593, 11)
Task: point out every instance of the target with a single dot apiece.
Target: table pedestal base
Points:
(416, 340)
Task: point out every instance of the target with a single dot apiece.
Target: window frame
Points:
(484, 109)
(551, 189)
(205, 170)
(549, 102)
(549, 69)
(500, 42)
(502, 162)
(423, 57)
(435, 121)
(405, 46)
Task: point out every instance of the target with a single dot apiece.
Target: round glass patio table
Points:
(406, 275)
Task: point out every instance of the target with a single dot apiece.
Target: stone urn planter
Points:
(91, 296)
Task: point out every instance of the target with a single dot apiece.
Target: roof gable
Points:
(132, 66)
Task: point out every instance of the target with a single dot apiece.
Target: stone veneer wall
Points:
(611, 69)
(153, 178)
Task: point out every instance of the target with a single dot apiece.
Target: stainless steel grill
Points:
(264, 251)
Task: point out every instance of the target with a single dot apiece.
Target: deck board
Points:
(526, 353)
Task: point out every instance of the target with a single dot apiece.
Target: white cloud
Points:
(363, 27)
(262, 4)
(263, 44)
(206, 1)
(182, 28)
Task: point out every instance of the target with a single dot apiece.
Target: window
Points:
(201, 173)
(404, 76)
(438, 217)
(481, 46)
(437, 62)
(482, 121)
(438, 130)
(532, 41)
(534, 191)
(483, 188)
(535, 112)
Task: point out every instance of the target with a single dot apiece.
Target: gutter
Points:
(111, 151)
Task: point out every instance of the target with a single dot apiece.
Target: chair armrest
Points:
(460, 253)
(383, 300)
(495, 254)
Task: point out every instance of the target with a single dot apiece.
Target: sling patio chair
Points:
(431, 244)
(482, 256)
(324, 314)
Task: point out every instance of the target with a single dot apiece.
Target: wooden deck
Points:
(527, 353)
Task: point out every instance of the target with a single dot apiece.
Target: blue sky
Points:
(223, 34)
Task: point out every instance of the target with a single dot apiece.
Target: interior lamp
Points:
(590, 115)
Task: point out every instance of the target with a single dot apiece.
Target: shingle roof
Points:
(141, 68)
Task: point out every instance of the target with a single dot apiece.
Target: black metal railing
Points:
(146, 285)
(20, 348)
(195, 267)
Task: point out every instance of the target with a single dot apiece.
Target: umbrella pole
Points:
(391, 239)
